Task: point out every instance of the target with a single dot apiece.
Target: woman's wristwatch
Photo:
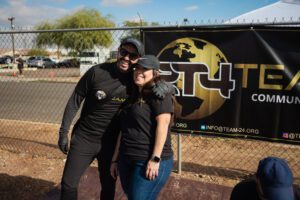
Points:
(155, 159)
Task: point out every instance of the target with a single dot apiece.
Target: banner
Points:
(232, 82)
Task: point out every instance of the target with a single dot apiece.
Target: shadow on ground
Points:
(177, 188)
(23, 187)
(235, 174)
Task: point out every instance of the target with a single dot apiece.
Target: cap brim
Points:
(144, 66)
(279, 193)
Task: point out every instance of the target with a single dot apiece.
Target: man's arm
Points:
(71, 109)
(162, 89)
(73, 105)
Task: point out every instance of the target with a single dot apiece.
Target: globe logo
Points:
(204, 101)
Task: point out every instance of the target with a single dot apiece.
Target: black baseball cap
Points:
(149, 62)
(136, 43)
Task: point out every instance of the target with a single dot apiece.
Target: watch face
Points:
(156, 159)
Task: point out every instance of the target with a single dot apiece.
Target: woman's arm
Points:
(163, 121)
(114, 160)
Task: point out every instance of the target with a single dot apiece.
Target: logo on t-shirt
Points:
(100, 95)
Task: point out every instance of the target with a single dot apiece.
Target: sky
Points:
(28, 13)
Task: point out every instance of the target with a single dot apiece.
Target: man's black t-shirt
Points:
(138, 128)
(104, 89)
(245, 190)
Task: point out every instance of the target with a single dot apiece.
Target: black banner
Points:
(233, 82)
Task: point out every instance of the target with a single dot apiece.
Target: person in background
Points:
(273, 181)
(20, 64)
(143, 155)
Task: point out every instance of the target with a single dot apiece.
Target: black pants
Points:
(80, 156)
(20, 70)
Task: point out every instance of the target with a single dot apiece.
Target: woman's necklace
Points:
(140, 99)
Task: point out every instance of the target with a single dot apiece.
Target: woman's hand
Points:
(114, 170)
(152, 170)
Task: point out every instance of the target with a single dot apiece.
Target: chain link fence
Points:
(32, 105)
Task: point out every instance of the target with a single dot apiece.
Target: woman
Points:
(143, 154)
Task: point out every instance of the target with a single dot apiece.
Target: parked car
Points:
(41, 62)
(34, 61)
(49, 63)
(68, 63)
(6, 60)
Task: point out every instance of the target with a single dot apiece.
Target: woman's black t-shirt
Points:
(138, 128)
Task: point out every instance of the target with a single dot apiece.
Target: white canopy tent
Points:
(281, 11)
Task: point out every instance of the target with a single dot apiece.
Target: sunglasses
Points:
(132, 56)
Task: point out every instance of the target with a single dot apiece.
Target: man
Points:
(103, 87)
(273, 181)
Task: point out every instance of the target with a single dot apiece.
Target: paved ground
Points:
(39, 95)
(177, 188)
(34, 100)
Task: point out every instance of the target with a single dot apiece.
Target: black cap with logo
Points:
(149, 62)
(138, 44)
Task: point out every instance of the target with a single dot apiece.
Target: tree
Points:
(40, 52)
(77, 40)
(49, 38)
(86, 39)
(136, 33)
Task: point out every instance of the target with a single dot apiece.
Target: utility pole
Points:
(141, 21)
(12, 26)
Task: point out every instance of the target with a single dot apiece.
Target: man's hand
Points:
(114, 170)
(162, 88)
(63, 143)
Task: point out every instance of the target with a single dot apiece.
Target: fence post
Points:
(179, 153)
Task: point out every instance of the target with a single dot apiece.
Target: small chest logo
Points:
(100, 95)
